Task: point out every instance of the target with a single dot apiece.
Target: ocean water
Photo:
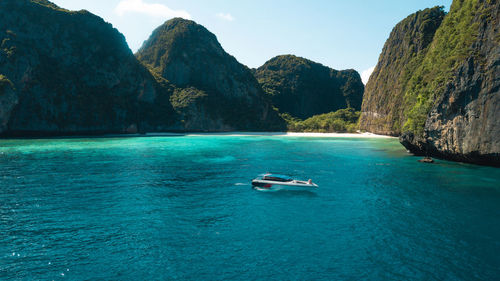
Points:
(182, 208)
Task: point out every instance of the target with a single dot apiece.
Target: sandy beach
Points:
(279, 134)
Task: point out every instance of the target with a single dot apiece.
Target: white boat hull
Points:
(291, 185)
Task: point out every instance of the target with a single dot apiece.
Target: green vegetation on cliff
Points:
(220, 93)
(452, 45)
(48, 4)
(303, 88)
(383, 107)
(74, 73)
(166, 44)
(185, 97)
(436, 83)
(418, 61)
(342, 120)
(3, 83)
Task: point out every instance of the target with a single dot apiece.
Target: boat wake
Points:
(266, 189)
(282, 191)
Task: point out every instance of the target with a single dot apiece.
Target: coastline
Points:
(180, 134)
(277, 134)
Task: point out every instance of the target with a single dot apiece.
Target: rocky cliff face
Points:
(8, 99)
(220, 93)
(304, 88)
(446, 98)
(383, 107)
(72, 73)
(464, 122)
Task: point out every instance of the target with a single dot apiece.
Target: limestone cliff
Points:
(445, 101)
(8, 99)
(464, 122)
(73, 73)
(304, 88)
(383, 108)
(220, 93)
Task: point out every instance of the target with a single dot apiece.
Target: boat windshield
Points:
(273, 177)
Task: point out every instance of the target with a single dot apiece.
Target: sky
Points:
(340, 34)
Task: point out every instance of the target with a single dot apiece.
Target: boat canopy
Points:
(276, 177)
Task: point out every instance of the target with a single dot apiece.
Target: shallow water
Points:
(182, 208)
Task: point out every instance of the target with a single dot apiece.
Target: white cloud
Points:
(365, 75)
(150, 9)
(227, 17)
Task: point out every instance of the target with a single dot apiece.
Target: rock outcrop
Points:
(304, 88)
(220, 93)
(8, 99)
(383, 107)
(446, 101)
(73, 73)
(464, 123)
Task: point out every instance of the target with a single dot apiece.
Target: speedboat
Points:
(276, 182)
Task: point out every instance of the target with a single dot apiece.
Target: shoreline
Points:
(274, 134)
(195, 134)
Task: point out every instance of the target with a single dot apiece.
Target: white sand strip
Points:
(278, 134)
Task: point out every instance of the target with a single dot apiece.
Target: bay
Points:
(182, 208)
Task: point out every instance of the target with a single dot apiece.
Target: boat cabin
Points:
(275, 177)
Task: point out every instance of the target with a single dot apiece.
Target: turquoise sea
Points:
(182, 208)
